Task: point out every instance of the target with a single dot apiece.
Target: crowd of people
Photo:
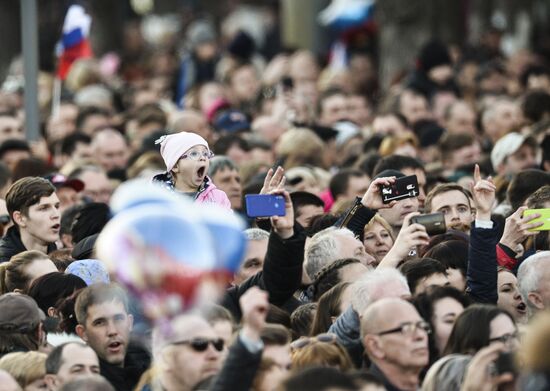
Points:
(343, 292)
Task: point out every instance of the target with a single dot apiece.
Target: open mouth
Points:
(201, 172)
(521, 308)
(56, 226)
(114, 346)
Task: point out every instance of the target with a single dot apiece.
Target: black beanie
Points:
(389, 172)
(433, 54)
(428, 132)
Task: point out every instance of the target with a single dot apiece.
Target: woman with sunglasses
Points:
(187, 158)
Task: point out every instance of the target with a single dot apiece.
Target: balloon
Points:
(171, 253)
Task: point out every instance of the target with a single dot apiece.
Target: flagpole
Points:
(56, 96)
(29, 39)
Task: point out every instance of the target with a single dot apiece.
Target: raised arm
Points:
(482, 258)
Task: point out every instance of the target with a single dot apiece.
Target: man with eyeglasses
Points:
(395, 338)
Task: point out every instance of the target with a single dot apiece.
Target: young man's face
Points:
(107, 331)
(456, 208)
(305, 213)
(42, 219)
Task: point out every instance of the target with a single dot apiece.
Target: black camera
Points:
(404, 187)
(433, 222)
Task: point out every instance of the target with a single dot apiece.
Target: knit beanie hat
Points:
(433, 54)
(172, 146)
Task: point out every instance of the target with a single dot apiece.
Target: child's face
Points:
(188, 173)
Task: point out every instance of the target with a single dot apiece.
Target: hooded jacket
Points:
(208, 193)
(11, 245)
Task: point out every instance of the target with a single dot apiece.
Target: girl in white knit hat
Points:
(187, 158)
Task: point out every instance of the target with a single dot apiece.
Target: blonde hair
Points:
(382, 221)
(24, 367)
(301, 146)
(391, 143)
(84, 72)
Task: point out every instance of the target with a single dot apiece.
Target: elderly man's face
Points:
(253, 260)
(229, 180)
(401, 349)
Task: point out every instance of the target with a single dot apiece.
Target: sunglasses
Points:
(201, 344)
(303, 342)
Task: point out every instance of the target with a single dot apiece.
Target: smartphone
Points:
(544, 217)
(404, 187)
(433, 222)
(505, 363)
(264, 205)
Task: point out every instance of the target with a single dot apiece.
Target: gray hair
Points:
(447, 373)
(256, 234)
(529, 274)
(365, 289)
(219, 163)
(323, 249)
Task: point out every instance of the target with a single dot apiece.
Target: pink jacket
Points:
(213, 195)
(208, 193)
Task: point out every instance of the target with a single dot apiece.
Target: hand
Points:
(274, 181)
(373, 197)
(39, 149)
(516, 228)
(254, 307)
(478, 375)
(483, 191)
(284, 225)
(410, 235)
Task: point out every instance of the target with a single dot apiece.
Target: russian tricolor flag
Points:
(74, 42)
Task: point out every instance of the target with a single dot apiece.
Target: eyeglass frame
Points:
(506, 338)
(216, 343)
(420, 325)
(207, 155)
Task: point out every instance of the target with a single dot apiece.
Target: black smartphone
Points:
(404, 187)
(505, 363)
(433, 222)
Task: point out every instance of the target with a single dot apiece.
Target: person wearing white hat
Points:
(513, 153)
(187, 158)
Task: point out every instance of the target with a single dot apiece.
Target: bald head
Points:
(110, 149)
(7, 382)
(190, 121)
(382, 315)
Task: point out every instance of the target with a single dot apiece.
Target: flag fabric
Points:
(345, 14)
(74, 42)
